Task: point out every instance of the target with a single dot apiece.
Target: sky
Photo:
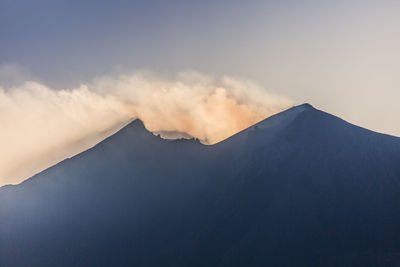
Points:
(340, 56)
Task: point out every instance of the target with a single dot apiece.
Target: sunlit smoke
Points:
(41, 126)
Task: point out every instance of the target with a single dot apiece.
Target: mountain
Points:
(301, 188)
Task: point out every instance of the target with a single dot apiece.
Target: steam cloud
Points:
(41, 126)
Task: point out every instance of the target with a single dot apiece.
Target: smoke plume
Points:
(41, 126)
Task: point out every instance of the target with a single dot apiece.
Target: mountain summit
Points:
(301, 188)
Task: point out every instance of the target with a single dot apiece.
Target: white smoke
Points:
(41, 126)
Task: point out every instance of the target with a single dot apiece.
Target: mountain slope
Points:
(300, 188)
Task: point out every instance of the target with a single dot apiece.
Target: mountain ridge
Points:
(301, 188)
(139, 125)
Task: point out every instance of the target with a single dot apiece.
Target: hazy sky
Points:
(341, 56)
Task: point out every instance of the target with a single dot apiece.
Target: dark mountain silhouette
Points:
(301, 188)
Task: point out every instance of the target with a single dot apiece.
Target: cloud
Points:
(41, 126)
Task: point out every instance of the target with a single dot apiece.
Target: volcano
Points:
(301, 188)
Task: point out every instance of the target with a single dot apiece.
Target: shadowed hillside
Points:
(301, 188)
